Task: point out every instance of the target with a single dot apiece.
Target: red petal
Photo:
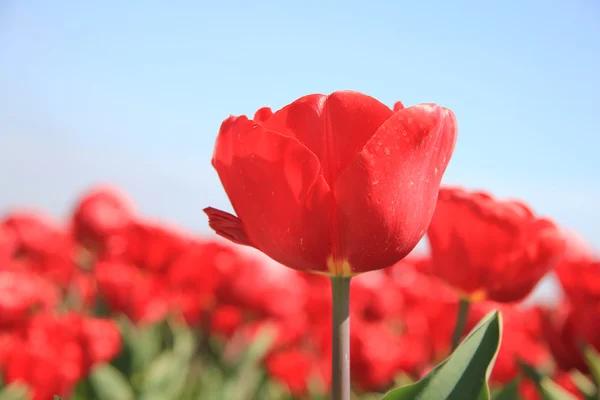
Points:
(398, 106)
(498, 247)
(274, 186)
(263, 114)
(227, 225)
(335, 127)
(387, 196)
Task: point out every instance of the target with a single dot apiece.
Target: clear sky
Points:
(133, 92)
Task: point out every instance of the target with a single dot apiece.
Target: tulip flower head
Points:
(335, 184)
(490, 249)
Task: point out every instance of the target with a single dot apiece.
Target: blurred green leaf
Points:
(592, 359)
(185, 340)
(585, 386)
(145, 344)
(166, 377)
(509, 391)
(249, 371)
(109, 383)
(211, 381)
(14, 391)
(546, 387)
(464, 375)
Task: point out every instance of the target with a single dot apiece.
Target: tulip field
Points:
(110, 304)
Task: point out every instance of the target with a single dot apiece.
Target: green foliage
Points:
(14, 392)
(546, 387)
(508, 392)
(464, 375)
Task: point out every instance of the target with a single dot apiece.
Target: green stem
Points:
(461, 320)
(340, 339)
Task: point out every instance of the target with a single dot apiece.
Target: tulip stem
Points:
(340, 339)
(461, 320)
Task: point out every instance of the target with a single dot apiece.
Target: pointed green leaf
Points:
(585, 386)
(546, 387)
(508, 392)
(166, 377)
(142, 343)
(109, 383)
(464, 375)
(592, 359)
(249, 368)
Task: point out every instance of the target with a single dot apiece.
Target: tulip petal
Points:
(484, 246)
(227, 225)
(387, 196)
(262, 114)
(335, 127)
(274, 186)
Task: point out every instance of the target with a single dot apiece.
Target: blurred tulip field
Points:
(111, 305)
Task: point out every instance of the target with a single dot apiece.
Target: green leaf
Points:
(14, 391)
(109, 383)
(249, 372)
(464, 375)
(508, 392)
(546, 387)
(143, 343)
(166, 377)
(185, 340)
(585, 386)
(592, 359)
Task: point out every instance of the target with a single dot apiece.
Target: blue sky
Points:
(134, 92)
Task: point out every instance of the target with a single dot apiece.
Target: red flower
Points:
(144, 298)
(579, 273)
(50, 359)
(225, 320)
(430, 307)
(42, 246)
(101, 216)
(22, 293)
(296, 369)
(194, 277)
(560, 331)
(101, 340)
(490, 249)
(33, 232)
(8, 244)
(57, 351)
(153, 247)
(337, 184)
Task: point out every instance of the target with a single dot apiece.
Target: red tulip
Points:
(560, 329)
(490, 249)
(153, 247)
(20, 293)
(296, 369)
(41, 245)
(579, 273)
(8, 244)
(101, 216)
(337, 184)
